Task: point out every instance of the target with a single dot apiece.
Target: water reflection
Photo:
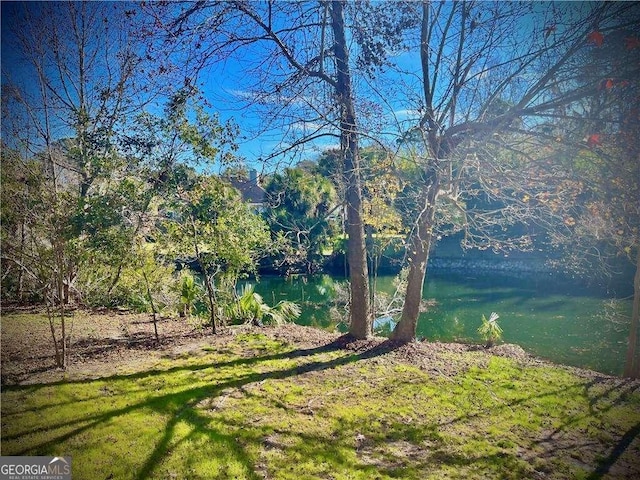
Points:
(562, 321)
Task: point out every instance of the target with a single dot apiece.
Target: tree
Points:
(68, 84)
(298, 207)
(360, 326)
(19, 205)
(302, 82)
(491, 80)
(492, 75)
(600, 232)
(163, 152)
(212, 224)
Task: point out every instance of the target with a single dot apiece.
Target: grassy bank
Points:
(261, 404)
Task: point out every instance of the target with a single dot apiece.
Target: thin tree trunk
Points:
(360, 325)
(60, 291)
(153, 306)
(211, 296)
(63, 329)
(212, 299)
(632, 364)
(373, 272)
(51, 317)
(21, 269)
(374, 286)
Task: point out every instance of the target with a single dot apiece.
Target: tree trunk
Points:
(59, 282)
(632, 364)
(153, 306)
(360, 315)
(63, 333)
(422, 234)
(418, 256)
(52, 317)
(21, 269)
(373, 272)
(211, 294)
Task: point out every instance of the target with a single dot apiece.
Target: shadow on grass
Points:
(196, 420)
(181, 406)
(245, 361)
(613, 393)
(620, 447)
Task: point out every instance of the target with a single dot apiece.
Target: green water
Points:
(557, 320)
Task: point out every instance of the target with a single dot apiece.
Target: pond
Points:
(561, 321)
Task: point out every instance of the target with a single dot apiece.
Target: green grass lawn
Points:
(257, 408)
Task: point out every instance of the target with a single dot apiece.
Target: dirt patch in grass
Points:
(101, 344)
(107, 342)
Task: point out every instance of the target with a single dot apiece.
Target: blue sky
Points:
(221, 85)
(226, 86)
(394, 111)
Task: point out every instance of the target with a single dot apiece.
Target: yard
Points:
(294, 402)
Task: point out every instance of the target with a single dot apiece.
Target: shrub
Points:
(490, 331)
(190, 292)
(251, 308)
